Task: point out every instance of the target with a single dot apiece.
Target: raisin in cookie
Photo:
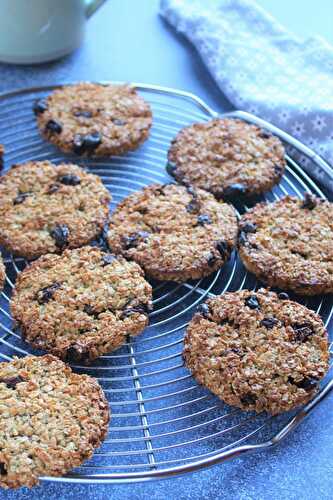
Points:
(51, 419)
(228, 157)
(94, 120)
(175, 233)
(81, 304)
(288, 244)
(2, 273)
(46, 208)
(257, 351)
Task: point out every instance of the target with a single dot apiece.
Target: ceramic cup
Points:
(36, 31)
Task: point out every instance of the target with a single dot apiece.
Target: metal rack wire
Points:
(163, 423)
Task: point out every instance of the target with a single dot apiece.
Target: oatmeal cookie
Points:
(46, 208)
(90, 119)
(81, 304)
(257, 351)
(228, 157)
(288, 244)
(51, 419)
(175, 233)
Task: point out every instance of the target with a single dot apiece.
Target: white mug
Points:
(36, 31)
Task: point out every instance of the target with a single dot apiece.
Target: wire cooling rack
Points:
(163, 423)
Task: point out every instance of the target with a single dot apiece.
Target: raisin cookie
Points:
(2, 273)
(288, 244)
(228, 157)
(257, 351)
(94, 120)
(81, 304)
(46, 208)
(51, 419)
(175, 233)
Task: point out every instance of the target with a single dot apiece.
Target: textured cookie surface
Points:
(51, 419)
(81, 304)
(257, 351)
(227, 157)
(175, 233)
(46, 208)
(288, 244)
(2, 273)
(94, 120)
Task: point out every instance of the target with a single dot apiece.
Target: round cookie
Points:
(94, 120)
(257, 351)
(175, 233)
(81, 304)
(228, 157)
(288, 244)
(2, 273)
(46, 208)
(51, 419)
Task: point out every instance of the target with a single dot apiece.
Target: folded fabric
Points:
(262, 68)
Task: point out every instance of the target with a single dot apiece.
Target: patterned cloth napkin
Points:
(263, 69)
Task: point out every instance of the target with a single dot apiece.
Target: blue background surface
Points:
(127, 41)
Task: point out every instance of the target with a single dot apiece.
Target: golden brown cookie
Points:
(46, 208)
(257, 351)
(51, 419)
(175, 233)
(90, 119)
(228, 157)
(81, 304)
(288, 244)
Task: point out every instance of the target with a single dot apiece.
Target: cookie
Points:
(288, 244)
(175, 233)
(2, 273)
(94, 120)
(257, 351)
(81, 304)
(46, 208)
(228, 157)
(51, 419)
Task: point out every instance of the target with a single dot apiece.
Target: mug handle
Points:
(92, 6)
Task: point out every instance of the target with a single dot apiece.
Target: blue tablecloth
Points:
(128, 41)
